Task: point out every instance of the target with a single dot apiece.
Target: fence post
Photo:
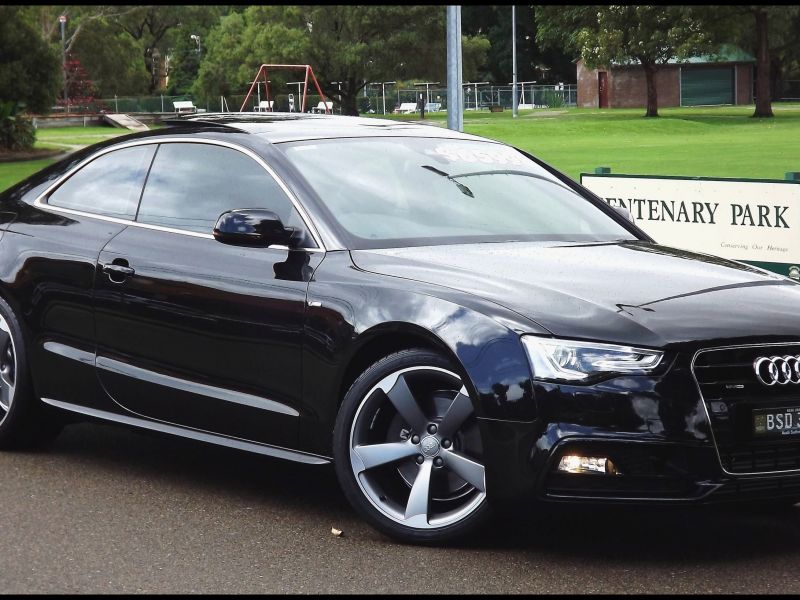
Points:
(116, 105)
(162, 102)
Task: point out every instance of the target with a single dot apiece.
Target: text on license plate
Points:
(777, 421)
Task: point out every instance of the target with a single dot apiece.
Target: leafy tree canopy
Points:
(29, 69)
(627, 34)
(351, 45)
(544, 65)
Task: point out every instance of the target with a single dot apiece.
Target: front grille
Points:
(732, 392)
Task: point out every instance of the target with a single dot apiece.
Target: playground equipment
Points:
(267, 105)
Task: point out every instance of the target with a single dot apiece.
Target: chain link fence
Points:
(480, 97)
(371, 100)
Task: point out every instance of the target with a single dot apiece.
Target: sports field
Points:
(714, 142)
(66, 138)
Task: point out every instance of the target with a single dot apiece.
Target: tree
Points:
(349, 45)
(44, 18)
(533, 63)
(185, 54)
(629, 34)
(29, 75)
(112, 59)
(149, 25)
(81, 90)
(768, 32)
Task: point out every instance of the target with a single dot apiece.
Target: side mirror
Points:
(624, 212)
(252, 227)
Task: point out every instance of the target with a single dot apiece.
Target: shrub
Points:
(17, 133)
(553, 99)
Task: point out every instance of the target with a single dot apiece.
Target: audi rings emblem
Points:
(777, 369)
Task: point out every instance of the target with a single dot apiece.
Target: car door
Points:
(195, 332)
(52, 250)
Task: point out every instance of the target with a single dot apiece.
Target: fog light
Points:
(572, 463)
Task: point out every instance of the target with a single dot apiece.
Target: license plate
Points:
(777, 421)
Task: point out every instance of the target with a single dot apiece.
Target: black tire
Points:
(359, 394)
(27, 422)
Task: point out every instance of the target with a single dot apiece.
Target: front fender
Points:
(356, 307)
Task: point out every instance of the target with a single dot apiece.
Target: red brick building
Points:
(726, 78)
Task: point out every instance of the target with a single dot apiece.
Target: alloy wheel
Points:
(415, 449)
(8, 369)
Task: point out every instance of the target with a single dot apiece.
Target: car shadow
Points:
(166, 458)
(705, 535)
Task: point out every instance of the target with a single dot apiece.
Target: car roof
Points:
(290, 127)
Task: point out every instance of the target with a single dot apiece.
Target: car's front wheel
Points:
(408, 451)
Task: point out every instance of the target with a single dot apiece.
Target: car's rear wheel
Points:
(24, 420)
(408, 451)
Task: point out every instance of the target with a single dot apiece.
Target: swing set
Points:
(263, 70)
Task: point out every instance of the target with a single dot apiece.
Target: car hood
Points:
(626, 292)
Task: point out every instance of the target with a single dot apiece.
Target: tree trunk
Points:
(349, 104)
(763, 99)
(652, 91)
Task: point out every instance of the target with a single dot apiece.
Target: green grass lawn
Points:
(60, 138)
(12, 172)
(76, 136)
(714, 141)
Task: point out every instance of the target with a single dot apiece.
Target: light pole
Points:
(455, 89)
(514, 61)
(63, 20)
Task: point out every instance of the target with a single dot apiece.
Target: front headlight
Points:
(565, 360)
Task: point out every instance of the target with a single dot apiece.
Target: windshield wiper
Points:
(464, 189)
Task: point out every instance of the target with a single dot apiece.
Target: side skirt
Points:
(274, 451)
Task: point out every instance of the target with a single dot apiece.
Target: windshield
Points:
(391, 192)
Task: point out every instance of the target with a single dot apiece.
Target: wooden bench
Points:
(433, 107)
(182, 106)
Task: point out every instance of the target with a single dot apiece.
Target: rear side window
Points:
(191, 185)
(110, 185)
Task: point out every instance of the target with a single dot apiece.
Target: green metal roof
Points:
(727, 53)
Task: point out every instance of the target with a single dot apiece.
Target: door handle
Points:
(118, 270)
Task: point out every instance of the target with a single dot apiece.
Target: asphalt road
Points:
(106, 509)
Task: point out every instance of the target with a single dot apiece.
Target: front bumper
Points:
(658, 431)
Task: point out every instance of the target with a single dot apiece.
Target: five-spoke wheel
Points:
(413, 448)
(8, 369)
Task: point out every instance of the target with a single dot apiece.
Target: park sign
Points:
(756, 221)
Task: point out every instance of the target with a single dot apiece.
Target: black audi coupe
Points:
(450, 321)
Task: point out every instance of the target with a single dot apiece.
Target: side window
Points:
(191, 185)
(110, 185)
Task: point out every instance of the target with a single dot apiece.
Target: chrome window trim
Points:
(39, 202)
(708, 415)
